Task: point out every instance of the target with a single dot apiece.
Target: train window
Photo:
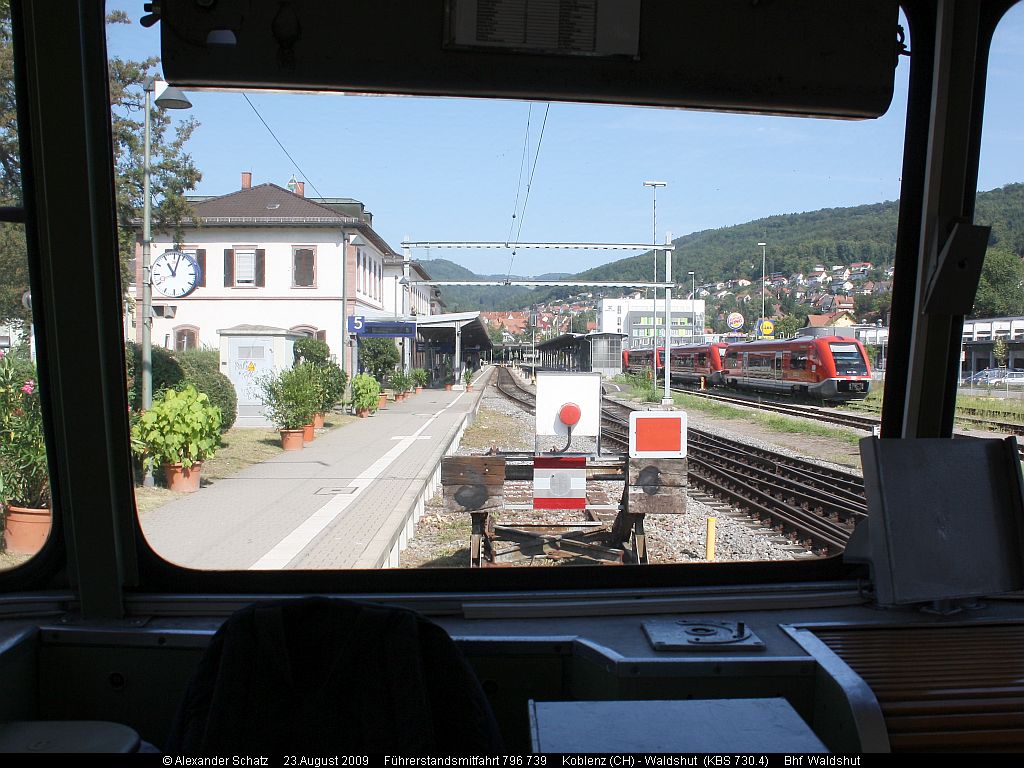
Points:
(849, 359)
(268, 169)
(25, 499)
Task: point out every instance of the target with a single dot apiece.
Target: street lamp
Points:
(654, 186)
(764, 250)
(169, 98)
(693, 299)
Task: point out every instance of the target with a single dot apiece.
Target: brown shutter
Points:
(303, 268)
(321, 336)
(260, 269)
(201, 260)
(229, 267)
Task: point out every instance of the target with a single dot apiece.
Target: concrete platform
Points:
(350, 499)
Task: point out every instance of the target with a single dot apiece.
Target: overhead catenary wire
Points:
(287, 154)
(529, 184)
(519, 181)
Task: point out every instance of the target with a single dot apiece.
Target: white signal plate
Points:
(555, 389)
(657, 435)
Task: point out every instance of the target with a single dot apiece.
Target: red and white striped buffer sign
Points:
(559, 482)
(657, 434)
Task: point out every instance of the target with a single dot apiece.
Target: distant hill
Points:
(460, 298)
(796, 242)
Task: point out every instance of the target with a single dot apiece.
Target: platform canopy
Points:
(442, 328)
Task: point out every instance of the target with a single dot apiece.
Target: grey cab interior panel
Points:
(805, 57)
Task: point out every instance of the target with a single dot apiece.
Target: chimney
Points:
(300, 188)
(246, 179)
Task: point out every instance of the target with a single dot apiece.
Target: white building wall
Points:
(278, 303)
(611, 313)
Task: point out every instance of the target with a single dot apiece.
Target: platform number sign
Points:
(356, 323)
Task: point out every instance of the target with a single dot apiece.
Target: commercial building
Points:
(642, 321)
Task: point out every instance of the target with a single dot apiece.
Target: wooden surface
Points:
(656, 486)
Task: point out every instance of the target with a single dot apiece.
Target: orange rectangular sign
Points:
(657, 434)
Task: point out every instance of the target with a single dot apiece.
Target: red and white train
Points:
(825, 367)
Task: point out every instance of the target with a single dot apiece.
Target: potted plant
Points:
(420, 378)
(467, 378)
(179, 433)
(401, 382)
(24, 476)
(449, 380)
(365, 393)
(330, 383)
(291, 399)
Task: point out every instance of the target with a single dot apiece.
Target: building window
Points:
(186, 338)
(303, 268)
(245, 268)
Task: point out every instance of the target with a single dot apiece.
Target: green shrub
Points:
(378, 357)
(365, 392)
(291, 397)
(400, 381)
(330, 385)
(310, 350)
(24, 475)
(181, 428)
(420, 377)
(167, 372)
(201, 368)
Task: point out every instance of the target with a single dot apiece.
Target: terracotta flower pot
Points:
(362, 413)
(308, 433)
(382, 401)
(447, 387)
(26, 529)
(318, 420)
(420, 389)
(291, 439)
(182, 480)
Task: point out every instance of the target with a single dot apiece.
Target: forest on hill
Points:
(796, 243)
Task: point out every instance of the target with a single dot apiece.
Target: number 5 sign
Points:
(356, 324)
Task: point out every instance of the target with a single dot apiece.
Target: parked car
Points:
(984, 378)
(1009, 379)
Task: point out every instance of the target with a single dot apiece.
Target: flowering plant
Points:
(24, 475)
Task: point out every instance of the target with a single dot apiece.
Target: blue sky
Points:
(447, 169)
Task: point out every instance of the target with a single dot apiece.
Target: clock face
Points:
(175, 274)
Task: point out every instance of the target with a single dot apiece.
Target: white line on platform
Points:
(286, 550)
(410, 437)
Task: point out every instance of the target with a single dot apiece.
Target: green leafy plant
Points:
(24, 475)
(182, 427)
(401, 381)
(291, 397)
(420, 377)
(378, 357)
(448, 377)
(310, 350)
(330, 383)
(467, 376)
(365, 392)
(201, 369)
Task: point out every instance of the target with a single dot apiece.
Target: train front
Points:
(845, 369)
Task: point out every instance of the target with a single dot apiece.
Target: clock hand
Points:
(174, 269)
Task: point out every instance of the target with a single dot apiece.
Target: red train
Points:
(826, 367)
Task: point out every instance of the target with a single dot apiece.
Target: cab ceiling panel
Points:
(831, 59)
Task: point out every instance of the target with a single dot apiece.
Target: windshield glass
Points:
(848, 359)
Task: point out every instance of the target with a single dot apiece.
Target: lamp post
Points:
(654, 186)
(667, 355)
(764, 250)
(693, 306)
(170, 98)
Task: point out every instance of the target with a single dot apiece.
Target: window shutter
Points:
(260, 269)
(321, 336)
(303, 268)
(229, 267)
(201, 260)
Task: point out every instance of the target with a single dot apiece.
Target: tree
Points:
(1001, 287)
(173, 171)
(1000, 351)
(378, 356)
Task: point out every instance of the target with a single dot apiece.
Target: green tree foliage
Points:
(173, 171)
(1001, 287)
(378, 356)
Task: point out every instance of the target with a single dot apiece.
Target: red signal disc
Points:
(569, 414)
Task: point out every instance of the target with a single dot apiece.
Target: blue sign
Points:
(381, 329)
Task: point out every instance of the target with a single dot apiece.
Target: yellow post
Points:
(709, 541)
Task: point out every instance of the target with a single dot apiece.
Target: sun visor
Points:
(804, 57)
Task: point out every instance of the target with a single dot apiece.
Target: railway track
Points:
(811, 505)
(829, 415)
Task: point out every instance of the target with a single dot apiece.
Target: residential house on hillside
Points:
(842, 319)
